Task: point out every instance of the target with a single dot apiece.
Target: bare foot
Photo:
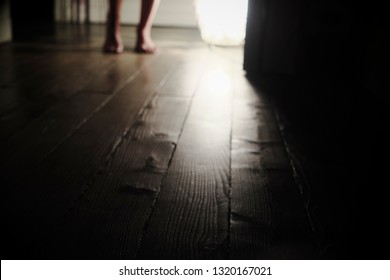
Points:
(113, 44)
(145, 43)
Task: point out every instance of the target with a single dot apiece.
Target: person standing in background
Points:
(144, 43)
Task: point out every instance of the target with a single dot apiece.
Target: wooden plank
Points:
(21, 113)
(268, 220)
(63, 174)
(108, 220)
(182, 85)
(36, 74)
(51, 129)
(84, 68)
(31, 145)
(109, 78)
(62, 177)
(15, 60)
(190, 218)
(35, 90)
(16, 106)
(32, 89)
(158, 121)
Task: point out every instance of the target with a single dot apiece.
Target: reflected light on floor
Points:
(218, 82)
(213, 103)
(222, 22)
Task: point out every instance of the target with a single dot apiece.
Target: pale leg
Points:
(113, 42)
(144, 42)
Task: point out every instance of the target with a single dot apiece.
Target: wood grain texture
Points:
(169, 156)
(31, 145)
(16, 61)
(47, 132)
(40, 85)
(268, 220)
(182, 85)
(62, 176)
(190, 218)
(120, 69)
(84, 68)
(116, 204)
(107, 219)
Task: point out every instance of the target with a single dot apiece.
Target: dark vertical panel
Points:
(254, 35)
(31, 18)
(274, 41)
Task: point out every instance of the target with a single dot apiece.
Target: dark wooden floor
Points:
(169, 156)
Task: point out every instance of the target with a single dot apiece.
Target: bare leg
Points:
(113, 42)
(144, 42)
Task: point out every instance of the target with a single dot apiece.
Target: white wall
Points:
(5, 22)
(175, 13)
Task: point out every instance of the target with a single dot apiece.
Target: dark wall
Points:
(316, 37)
(282, 36)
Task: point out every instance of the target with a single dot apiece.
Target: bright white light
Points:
(222, 22)
(218, 82)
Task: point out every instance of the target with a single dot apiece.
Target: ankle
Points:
(143, 32)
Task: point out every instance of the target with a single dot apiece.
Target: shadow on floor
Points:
(336, 135)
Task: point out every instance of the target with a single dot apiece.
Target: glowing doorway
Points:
(222, 22)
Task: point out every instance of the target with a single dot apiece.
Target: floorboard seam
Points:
(229, 214)
(115, 146)
(84, 121)
(301, 181)
(101, 106)
(146, 225)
